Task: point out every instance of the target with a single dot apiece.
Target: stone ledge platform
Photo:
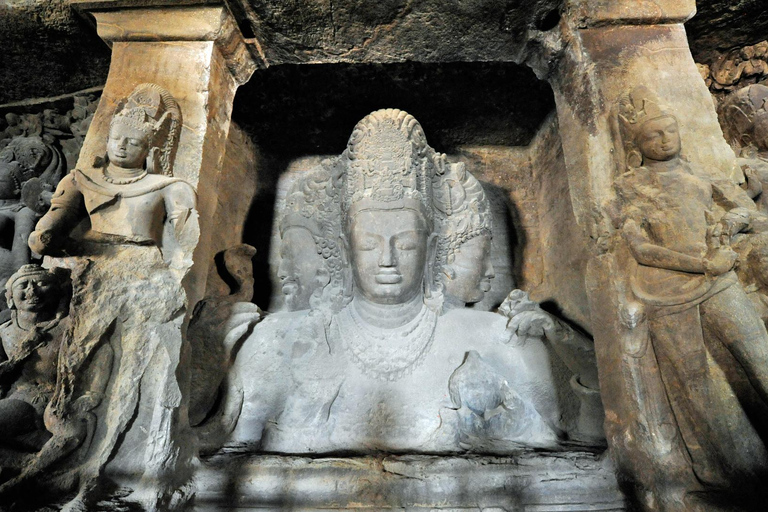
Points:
(529, 482)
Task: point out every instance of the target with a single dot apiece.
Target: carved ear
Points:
(634, 158)
(153, 160)
(429, 265)
(322, 278)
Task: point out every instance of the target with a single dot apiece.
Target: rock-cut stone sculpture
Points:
(385, 367)
(127, 270)
(678, 228)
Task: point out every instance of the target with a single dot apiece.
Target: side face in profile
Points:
(388, 252)
(468, 276)
(299, 267)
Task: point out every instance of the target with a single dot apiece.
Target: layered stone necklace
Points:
(386, 353)
(130, 177)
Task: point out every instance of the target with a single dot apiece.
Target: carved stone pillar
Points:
(196, 53)
(599, 52)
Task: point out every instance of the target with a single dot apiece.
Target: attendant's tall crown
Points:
(637, 108)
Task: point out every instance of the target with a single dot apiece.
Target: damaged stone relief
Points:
(686, 282)
(380, 250)
(126, 330)
(559, 302)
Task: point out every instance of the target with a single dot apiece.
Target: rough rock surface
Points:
(47, 50)
(724, 24)
(553, 482)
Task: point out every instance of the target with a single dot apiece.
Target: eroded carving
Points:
(39, 303)
(128, 299)
(310, 253)
(678, 227)
(30, 169)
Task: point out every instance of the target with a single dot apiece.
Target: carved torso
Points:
(135, 211)
(37, 376)
(673, 206)
(335, 401)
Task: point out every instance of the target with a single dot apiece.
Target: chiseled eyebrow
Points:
(408, 232)
(400, 233)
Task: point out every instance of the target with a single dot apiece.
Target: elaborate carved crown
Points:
(152, 110)
(462, 209)
(637, 108)
(138, 119)
(389, 164)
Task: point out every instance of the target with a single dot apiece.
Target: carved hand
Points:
(526, 318)
(720, 261)
(89, 401)
(530, 324)
(734, 221)
(39, 241)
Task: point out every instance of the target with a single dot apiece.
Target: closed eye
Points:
(407, 241)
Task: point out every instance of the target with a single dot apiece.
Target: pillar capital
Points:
(594, 13)
(166, 21)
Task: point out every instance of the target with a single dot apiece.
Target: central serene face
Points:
(34, 293)
(659, 139)
(127, 146)
(388, 252)
(299, 265)
(472, 270)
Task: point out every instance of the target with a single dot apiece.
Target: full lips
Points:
(388, 278)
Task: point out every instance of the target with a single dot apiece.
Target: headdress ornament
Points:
(637, 108)
(389, 164)
(462, 209)
(152, 110)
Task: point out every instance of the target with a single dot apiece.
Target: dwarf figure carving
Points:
(39, 302)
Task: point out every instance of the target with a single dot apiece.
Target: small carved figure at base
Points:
(31, 341)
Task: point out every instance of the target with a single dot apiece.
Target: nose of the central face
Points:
(388, 257)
